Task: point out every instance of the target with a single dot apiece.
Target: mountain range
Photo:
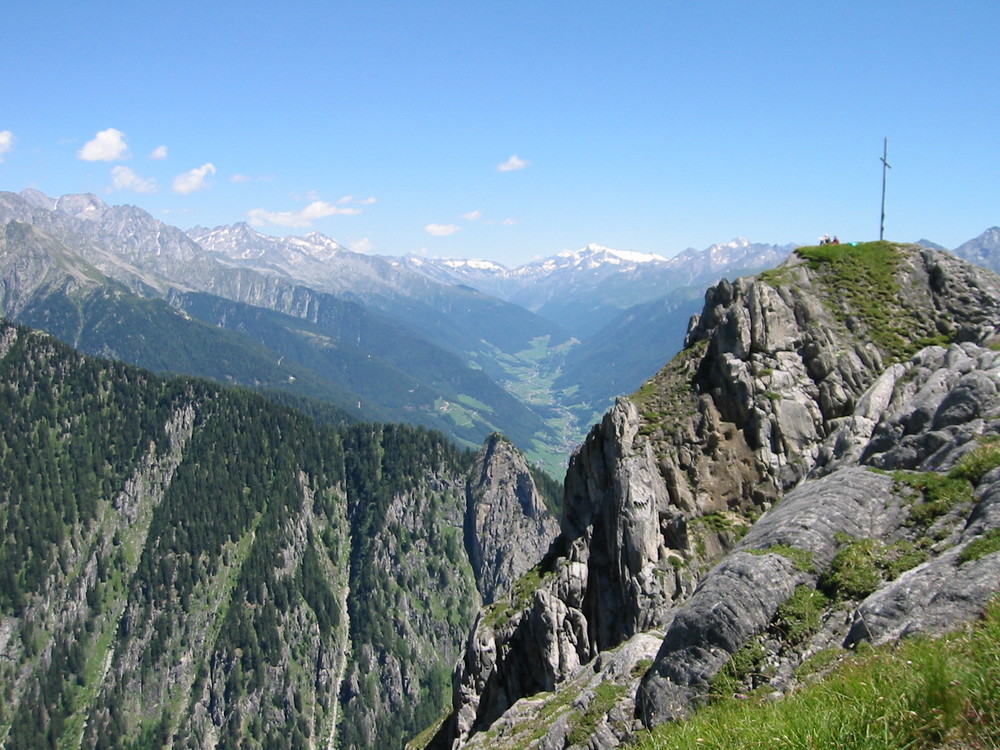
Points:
(185, 564)
(467, 347)
(290, 569)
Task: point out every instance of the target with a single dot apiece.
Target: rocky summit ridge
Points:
(799, 442)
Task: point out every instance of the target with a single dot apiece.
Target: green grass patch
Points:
(860, 282)
(605, 697)
(797, 618)
(862, 565)
(668, 397)
(778, 277)
(921, 694)
(976, 463)
(641, 667)
(819, 662)
(984, 545)
(714, 521)
(423, 739)
(939, 493)
(471, 403)
(800, 615)
(746, 665)
(516, 600)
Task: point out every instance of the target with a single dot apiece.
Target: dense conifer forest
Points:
(185, 564)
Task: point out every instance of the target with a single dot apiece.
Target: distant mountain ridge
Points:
(983, 250)
(463, 345)
(410, 361)
(584, 290)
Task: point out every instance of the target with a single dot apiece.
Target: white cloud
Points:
(108, 145)
(193, 179)
(6, 142)
(513, 164)
(160, 152)
(124, 178)
(441, 230)
(241, 178)
(472, 215)
(364, 245)
(509, 222)
(316, 210)
(353, 199)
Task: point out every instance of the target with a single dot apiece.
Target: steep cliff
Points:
(675, 552)
(508, 528)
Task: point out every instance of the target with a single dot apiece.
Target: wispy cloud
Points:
(509, 222)
(472, 215)
(194, 179)
(241, 178)
(314, 211)
(513, 164)
(160, 152)
(6, 142)
(348, 199)
(107, 145)
(124, 178)
(364, 245)
(441, 230)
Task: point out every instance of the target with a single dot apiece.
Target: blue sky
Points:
(513, 130)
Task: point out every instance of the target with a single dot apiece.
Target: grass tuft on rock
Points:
(862, 565)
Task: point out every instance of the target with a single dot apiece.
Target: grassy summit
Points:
(861, 284)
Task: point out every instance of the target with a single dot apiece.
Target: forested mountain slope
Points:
(193, 566)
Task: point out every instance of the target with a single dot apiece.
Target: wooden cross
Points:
(885, 165)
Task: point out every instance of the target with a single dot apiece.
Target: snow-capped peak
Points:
(472, 263)
(591, 257)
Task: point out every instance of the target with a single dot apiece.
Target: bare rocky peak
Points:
(32, 262)
(38, 199)
(124, 242)
(983, 250)
(81, 206)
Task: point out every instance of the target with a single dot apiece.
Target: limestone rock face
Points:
(762, 428)
(856, 503)
(507, 526)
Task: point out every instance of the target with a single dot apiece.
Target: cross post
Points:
(885, 165)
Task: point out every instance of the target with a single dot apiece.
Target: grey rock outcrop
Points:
(507, 526)
(785, 386)
(855, 503)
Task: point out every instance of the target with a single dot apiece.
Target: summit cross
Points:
(885, 166)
